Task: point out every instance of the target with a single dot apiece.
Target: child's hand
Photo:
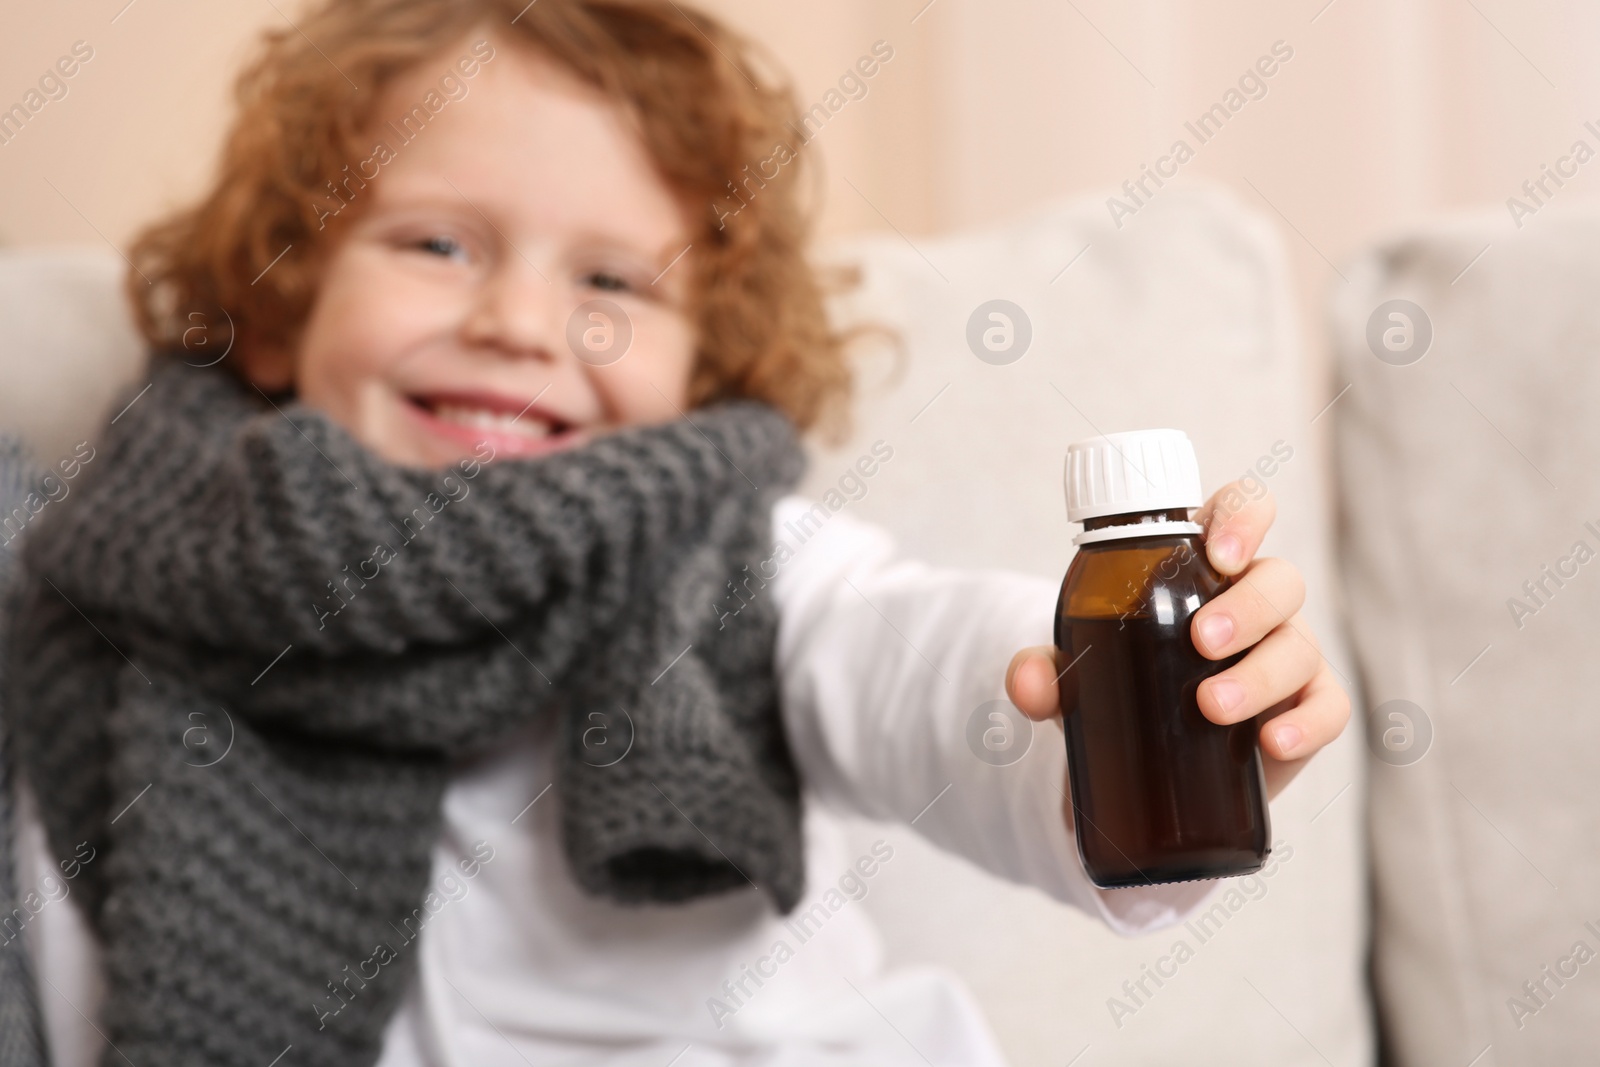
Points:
(1283, 680)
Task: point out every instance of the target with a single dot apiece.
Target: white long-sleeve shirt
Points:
(881, 663)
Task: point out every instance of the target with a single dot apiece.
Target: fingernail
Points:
(1216, 630)
(1288, 737)
(1227, 693)
(1226, 549)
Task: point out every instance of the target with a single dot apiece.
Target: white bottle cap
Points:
(1124, 473)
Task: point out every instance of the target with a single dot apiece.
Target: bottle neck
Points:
(1165, 522)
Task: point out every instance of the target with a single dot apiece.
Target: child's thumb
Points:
(1031, 682)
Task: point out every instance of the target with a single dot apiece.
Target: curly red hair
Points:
(702, 105)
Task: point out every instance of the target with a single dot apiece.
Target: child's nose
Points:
(519, 310)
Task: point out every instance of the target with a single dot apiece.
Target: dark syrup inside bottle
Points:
(1159, 792)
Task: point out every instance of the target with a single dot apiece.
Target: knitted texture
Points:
(248, 650)
(22, 1042)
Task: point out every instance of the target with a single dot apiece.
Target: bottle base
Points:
(1177, 871)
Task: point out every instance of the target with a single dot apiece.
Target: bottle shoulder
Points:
(1139, 576)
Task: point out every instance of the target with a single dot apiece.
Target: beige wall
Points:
(1390, 109)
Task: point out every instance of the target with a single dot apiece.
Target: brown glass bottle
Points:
(1159, 792)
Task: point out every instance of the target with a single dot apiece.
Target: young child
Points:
(472, 392)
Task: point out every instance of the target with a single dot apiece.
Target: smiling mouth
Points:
(509, 426)
(480, 418)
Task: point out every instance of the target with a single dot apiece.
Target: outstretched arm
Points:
(889, 670)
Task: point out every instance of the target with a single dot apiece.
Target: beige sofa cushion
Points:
(66, 344)
(1181, 318)
(1464, 475)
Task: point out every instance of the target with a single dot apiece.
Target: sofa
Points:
(1014, 341)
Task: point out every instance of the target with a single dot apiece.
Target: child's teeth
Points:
(482, 418)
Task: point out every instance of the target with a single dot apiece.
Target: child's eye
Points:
(447, 247)
(608, 281)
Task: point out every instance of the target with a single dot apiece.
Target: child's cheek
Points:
(664, 344)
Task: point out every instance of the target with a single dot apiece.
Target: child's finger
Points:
(1235, 524)
(1319, 716)
(1266, 593)
(1031, 682)
(1292, 737)
(1277, 668)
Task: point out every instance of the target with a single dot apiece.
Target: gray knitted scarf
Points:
(247, 652)
(22, 1039)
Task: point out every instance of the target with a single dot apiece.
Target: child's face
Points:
(446, 308)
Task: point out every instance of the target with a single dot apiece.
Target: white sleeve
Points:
(882, 663)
